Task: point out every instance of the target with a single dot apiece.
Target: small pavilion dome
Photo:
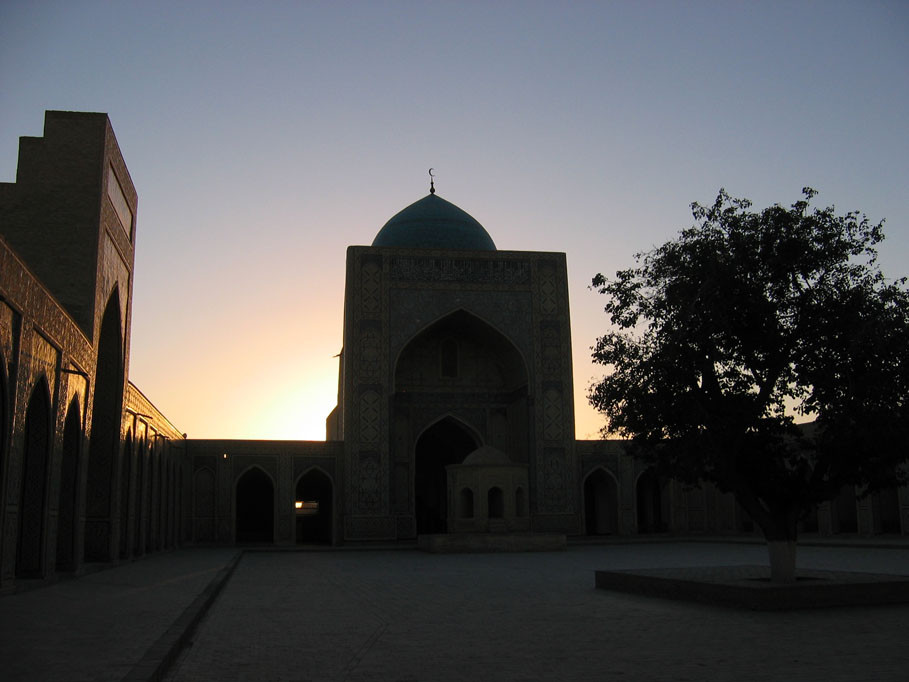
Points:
(487, 455)
(433, 223)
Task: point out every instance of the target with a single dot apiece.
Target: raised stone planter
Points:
(749, 587)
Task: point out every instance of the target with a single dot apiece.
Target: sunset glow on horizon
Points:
(265, 141)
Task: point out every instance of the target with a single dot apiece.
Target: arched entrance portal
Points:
(105, 435)
(141, 485)
(125, 474)
(457, 365)
(445, 442)
(255, 507)
(69, 480)
(652, 503)
(32, 498)
(313, 503)
(601, 504)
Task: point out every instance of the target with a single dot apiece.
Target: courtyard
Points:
(392, 614)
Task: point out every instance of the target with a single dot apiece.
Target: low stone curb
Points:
(161, 655)
(748, 587)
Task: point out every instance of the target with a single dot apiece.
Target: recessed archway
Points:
(460, 349)
(33, 490)
(126, 466)
(161, 497)
(495, 503)
(139, 509)
(448, 441)
(652, 503)
(461, 364)
(152, 493)
(105, 434)
(69, 479)
(313, 508)
(255, 507)
(465, 503)
(601, 503)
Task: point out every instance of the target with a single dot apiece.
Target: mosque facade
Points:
(454, 414)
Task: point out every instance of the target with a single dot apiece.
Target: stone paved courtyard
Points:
(402, 615)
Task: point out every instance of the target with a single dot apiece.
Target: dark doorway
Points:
(600, 504)
(159, 494)
(125, 475)
(466, 504)
(171, 503)
(66, 512)
(179, 527)
(313, 508)
(651, 503)
(495, 503)
(139, 497)
(255, 507)
(105, 435)
(33, 493)
(445, 442)
(152, 488)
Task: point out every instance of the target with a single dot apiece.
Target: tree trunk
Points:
(782, 560)
(779, 522)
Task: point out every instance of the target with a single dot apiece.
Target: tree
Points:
(744, 323)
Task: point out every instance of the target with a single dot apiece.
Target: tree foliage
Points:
(745, 323)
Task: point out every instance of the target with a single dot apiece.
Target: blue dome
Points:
(433, 223)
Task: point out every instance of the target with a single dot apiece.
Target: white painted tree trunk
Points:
(782, 560)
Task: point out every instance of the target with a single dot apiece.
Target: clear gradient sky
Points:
(264, 138)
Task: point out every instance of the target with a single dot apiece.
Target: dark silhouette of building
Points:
(454, 413)
(90, 471)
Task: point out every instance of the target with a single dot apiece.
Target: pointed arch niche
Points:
(652, 502)
(457, 365)
(313, 507)
(255, 507)
(105, 435)
(601, 503)
(460, 350)
(33, 493)
(67, 509)
(125, 480)
(448, 441)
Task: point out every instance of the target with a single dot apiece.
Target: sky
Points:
(264, 138)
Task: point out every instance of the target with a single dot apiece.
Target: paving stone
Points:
(412, 616)
(407, 615)
(99, 626)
